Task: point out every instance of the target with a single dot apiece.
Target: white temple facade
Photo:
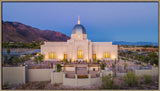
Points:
(79, 48)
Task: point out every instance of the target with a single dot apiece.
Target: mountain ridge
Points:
(18, 32)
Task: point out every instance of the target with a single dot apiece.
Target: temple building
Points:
(79, 48)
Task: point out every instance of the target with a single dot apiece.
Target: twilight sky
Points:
(104, 21)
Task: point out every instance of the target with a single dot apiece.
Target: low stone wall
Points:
(152, 72)
(69, 69)
(13, 75)
(56, 77)
(120, 74)
(95, 80)
(69, 81)
(80, 81)
(39, 74)
(105, 73)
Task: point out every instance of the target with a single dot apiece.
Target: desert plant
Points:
(115, 61)
(55, 84)
(131, 79)
(125, 65)
(108, 82)
(148, 78)
(5, 86)
(118, 67)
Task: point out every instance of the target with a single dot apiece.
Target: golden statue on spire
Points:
(78, 20)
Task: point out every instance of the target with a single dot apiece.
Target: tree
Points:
(153, 58)
(15, 60)
(8, 51)
(142, 58)
(5, 59)
(40, 58)
(23, 59)
(27, 56)
(131, 79)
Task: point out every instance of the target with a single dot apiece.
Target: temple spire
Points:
(78, 20)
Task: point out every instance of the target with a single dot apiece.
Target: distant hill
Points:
(18, 32)
(134, 43)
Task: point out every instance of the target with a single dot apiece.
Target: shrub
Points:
(131, 79)
(51, 65)
(102, 66)
(65, 61)
(98, 61)
(148, 78)
(108, 83)
(5, 86)
(58, 67)
(55, 84)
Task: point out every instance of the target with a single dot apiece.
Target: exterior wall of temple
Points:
(71, 48)
(99, 48)
(59, 48)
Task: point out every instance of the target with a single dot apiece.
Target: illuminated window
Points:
(107, 55)
(65, 56)
(94, 56)
(52, 55)
(80, 54)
